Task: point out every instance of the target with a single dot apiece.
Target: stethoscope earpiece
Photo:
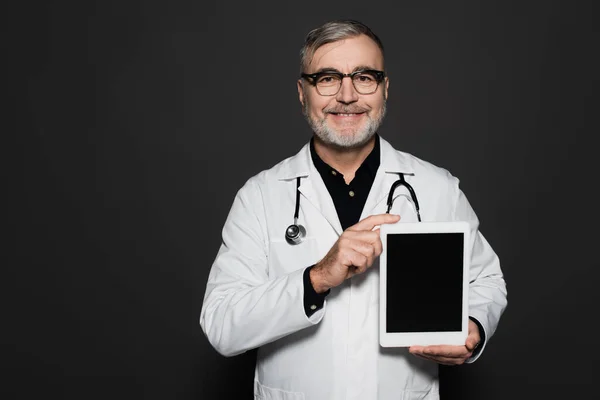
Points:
(295, 233)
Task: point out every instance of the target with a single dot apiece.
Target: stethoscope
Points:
(295, 233)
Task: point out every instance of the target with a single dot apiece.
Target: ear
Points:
(300, 92)
(385, 90)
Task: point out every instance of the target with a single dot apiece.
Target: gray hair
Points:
(332, 32)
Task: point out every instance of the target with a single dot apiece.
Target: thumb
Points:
(471, 343)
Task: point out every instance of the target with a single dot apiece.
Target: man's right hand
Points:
(353, 253)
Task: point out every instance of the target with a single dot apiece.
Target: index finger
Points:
(372, 221)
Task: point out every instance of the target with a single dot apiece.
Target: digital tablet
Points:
(424, 281)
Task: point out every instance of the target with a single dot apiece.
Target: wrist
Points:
(317, 281)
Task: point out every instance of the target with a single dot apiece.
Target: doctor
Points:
(296, 275)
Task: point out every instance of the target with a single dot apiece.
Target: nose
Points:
(347, 93)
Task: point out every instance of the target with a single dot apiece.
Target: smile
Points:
(347, 114)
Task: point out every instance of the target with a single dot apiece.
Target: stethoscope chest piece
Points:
(295, 233)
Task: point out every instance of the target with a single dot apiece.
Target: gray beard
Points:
(332, 138)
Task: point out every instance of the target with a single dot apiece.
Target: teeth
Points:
(347, 115)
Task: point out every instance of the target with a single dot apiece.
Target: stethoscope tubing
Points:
(413, 195)
(295, 233)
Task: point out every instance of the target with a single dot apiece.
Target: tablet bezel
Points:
(407, 339)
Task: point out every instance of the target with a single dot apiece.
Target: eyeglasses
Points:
(329, 83)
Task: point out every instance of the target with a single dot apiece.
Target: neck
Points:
(346, 161)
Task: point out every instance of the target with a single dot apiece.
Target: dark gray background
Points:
(129, 127)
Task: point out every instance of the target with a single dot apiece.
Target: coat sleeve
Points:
(487, 288)
(243, 308)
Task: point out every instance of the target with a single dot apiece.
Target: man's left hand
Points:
(450, 355)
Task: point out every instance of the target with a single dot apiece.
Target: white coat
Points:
(254, 294)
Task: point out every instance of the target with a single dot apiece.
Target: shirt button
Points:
(313, 307)
(351, 193)
(333, 173)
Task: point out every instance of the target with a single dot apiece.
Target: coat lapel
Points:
(314, 190)
(392, 164)
(312, 187)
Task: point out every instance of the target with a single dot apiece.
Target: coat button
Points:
(351, 193)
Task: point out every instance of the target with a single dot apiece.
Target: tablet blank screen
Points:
(424, 282)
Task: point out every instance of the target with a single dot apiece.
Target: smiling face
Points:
(348, 119)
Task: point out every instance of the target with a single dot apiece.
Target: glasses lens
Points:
(365, 82)
(328, 85)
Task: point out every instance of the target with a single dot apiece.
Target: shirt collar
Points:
(370, 164)
(302, 164)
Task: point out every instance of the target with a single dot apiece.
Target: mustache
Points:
(345, 110)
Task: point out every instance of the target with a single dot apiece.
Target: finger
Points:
(367, 250)
(361, 247)
(364, 236)
(474, 336)
(361, 241)
(444, 360)
(377, 246)
(357, 260)
(372, 221)
(421, 351)
(471, 344)
(444, 351)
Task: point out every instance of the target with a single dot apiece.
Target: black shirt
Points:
(349, 200)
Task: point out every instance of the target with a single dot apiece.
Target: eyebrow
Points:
(364, 68)
(330, 69)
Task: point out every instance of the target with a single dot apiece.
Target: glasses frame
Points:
(312, 79)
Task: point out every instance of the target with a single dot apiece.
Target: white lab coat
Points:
(254, 294)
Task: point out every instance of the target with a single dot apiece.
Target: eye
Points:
(326, 79)
(364, 77)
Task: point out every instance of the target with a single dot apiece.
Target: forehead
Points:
(347, 54)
